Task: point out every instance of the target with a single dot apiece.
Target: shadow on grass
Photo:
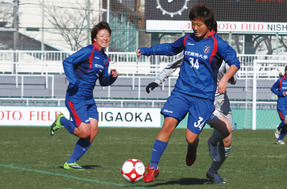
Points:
(183, 182)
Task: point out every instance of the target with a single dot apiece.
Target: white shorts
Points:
(222, 108)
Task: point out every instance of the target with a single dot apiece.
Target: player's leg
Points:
(85, 131)
(199, 112)
(159, 146)
(222, 130)
(192, 143)
(224, 148)
(282, 128)
(283, 131)
(174, 110)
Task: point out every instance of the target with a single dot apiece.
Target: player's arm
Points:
(275, 88)
(162, 49)
(222, 70)
(107, 78)
(69, 63)
(230, 57)
(165, 73)
(222, 84)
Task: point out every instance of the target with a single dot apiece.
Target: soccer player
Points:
(279, 88)
(195, 88)
(82, 70)
(221, 119)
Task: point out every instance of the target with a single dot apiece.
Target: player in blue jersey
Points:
(82, 70)
(221, 119)
(279, 88)
(195, 88)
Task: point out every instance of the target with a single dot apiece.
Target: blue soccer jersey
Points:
(278, 88)
(82, 70)
(202, 59)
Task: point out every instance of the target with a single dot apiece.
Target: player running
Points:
(220, 119)
(279, 88)
(195, 88)
(82, 70)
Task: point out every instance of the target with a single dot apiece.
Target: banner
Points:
(108, 117)
(223, 27)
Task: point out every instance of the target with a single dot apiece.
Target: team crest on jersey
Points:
(206, 49)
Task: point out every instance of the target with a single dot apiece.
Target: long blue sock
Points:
(157, 150)
(69, 125)
(282, 135)
(80, 149)
(281, 125)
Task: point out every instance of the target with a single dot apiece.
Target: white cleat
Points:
(280, 142)
(215, 178)
(277, 132)
(214, 152)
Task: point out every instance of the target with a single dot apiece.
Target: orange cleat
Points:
(190, 157)
(151, 174)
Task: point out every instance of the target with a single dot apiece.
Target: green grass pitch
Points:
(31, 158)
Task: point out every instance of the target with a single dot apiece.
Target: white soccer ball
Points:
(133, 170)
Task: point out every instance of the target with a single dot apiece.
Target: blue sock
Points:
(80, 149)
(281, 125)
(282, 135)
(157, 150)
(69, 125)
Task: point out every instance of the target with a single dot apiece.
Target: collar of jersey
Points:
(210, 34)
(95, 45)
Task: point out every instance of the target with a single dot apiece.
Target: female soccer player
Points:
(196, 85)
(82, 70)
(221, 119)
(279, 88)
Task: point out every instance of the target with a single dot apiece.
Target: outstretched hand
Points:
(114, 73)
(151, 86)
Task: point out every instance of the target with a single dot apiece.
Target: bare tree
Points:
(71, 23)
(6, 13)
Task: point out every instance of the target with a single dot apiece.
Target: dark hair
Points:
(101, 25)
(280, 74)
(204, 13)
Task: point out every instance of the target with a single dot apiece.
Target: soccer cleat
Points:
(56, 124)
(214, 152)
(277, 132)
(215, 178)
(190, 157)
(152, 173)
(73, 166)
(280, 142)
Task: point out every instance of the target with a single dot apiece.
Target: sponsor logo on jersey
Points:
(96, 57)
(194, 54)
(167, 111)
(192, 44)
(99, 66)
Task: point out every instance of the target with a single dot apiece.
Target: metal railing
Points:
(50, 62)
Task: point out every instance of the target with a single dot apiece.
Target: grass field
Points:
(31, 158)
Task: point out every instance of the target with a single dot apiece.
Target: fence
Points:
(252, 102)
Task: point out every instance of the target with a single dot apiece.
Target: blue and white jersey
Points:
(82, 70)
(202, 59)
(278, 88)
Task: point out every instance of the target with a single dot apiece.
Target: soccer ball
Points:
(133, 170)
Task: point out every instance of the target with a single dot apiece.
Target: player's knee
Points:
(193, 141)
